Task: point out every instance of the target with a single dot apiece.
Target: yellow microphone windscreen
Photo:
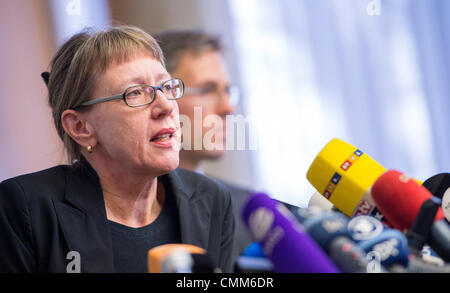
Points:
(344, 174)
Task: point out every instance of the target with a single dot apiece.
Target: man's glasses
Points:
(230, 92)
(141, 95)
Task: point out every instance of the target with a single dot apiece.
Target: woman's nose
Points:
(162, 106)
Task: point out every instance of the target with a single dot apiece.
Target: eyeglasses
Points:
(232, 92)
(141, 95)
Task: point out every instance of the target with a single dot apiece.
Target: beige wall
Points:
(28, 141)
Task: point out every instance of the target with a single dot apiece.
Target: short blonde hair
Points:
(81, 60)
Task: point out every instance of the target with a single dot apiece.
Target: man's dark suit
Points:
(45, 215)
(242, 236)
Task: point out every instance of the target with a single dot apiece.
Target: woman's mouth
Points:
(164, 138)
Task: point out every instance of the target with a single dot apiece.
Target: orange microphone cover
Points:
(157, 254)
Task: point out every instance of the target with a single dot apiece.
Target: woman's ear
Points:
(78, 128)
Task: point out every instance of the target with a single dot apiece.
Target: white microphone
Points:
(318, 200)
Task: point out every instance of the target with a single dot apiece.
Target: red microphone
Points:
(399, 198)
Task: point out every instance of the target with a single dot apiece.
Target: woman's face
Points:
(132, 138)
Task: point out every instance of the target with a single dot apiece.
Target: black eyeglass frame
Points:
(122, 96)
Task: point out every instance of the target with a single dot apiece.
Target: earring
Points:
(89, 149)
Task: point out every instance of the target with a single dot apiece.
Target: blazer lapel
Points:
(83, 220)
(194, 213)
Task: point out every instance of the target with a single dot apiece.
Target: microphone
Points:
(329, 230)
(179, 261)
(389, 245)
(284, 241)
(416, 265)
(254, 249)
(317, 200)
(418, 234)
(253, 260)
(439, 186)
(439, 239)
(177, 257)
(248, 264)
(430, 257)
(399, 198)
(343, 174)
(402, 200)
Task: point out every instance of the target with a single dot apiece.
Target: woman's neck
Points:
(131, 200)
(135, 210)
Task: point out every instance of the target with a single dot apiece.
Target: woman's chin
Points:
(167, 166)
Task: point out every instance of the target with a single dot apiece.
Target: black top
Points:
(131, 245)
(47, 214)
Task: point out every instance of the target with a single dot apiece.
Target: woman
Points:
(114, 107)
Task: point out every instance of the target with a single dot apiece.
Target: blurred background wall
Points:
(213, 17)
(372, 72)
(28, 141)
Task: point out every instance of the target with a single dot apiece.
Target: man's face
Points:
(206, 74)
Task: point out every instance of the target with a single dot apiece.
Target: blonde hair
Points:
(81, 60)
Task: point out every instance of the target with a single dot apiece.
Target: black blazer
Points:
(45, 215)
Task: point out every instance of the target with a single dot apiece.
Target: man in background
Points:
(197, 58)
